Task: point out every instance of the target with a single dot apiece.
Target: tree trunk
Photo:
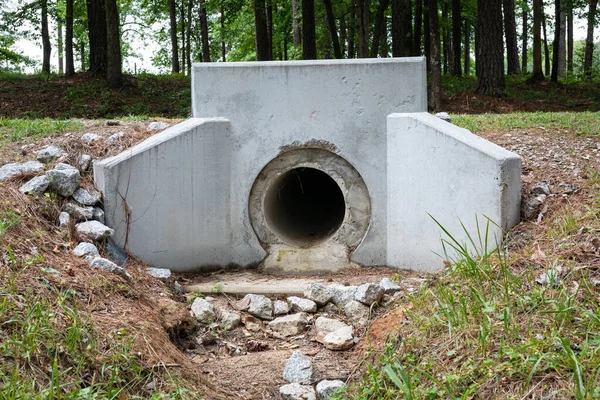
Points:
(269, 15)
(491, 64)
(337, 51)
(418, 31)
(174, 45)
(467, 49)
(510, 28)
(556, 44)
(546, 49)
(82, 50)
(183, 23)
(114, 73)
(261, 31)
(204, 31)
(223, 48)
(47, 50)
(60, 46)
(538, 74)
(188, 36)
(570, 36)
(97, 35)
(343, 35)
(402, 37)
(351, 30)
(385, 48)
(427, 33)
(435, 96)
(309, 35)
(69, 65)
(363, 14)
(295, 24)
(562, 41)
(378, 28)
(589, 41)
(524, 43)
(446, 44)
(456, 35)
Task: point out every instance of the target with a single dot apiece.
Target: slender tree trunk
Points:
(524, 42)
(418, 31)
(589, 41)
(46, 48)
(402, 37)
(456, 36)
(378, 28)
(467, 49)
(69, 65)
(538, 74)
(570, 36)
(352, 31)
(562, 41)
(337, 51)
(60, 46)
(385, 48)
(183, 23)
(269, 15)
(445, 46)
(174, 44)
(427, 33)
(204, 31)
(114, 73)
(556, 44)
(343, 35)
(363, 14)
(435, 97)
(223, 48)
(261, 31)
(295, 24)
(491, 54)
(188, 36)
(96, 11)
(510, 29)
(546, 47)
(309, 35)
(82, 52)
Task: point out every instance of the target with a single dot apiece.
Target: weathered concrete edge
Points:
(319, 63)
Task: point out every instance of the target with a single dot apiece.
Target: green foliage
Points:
(21, 128)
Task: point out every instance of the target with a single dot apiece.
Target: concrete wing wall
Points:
(168, 198)
(447, 172)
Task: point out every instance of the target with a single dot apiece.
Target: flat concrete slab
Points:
(267, 287)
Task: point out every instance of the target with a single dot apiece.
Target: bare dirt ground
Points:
(248, 363)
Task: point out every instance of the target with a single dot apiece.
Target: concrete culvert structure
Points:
(304, 207)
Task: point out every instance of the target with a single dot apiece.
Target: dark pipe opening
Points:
(304, 207)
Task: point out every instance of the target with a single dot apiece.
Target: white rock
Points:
(357, 313)
(115, 138)
(230, 320)
(156, 126)
(342, 294)
(445, 116)
(63, 181)
(341, 339)
(388, 286)
(85, 162)
(326, 389)
(50, 153)
(257, 305)
(296, 391)
(109, 266)
(298, 368)
(84, 249)
(160, 273)
(94, 230)
(203, 310)
(318, 293)
(89, 137)
(10, 170)
(87, 197)
(63, 166)
(327, 325)
(280, 307)
(63, 219)
(78, 212)
(369, 293)
(290, 325)
(98, 214)
(303, 305)
(36, 186)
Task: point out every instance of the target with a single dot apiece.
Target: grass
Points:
(585, 123)
(486, 329)
(15, 129)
